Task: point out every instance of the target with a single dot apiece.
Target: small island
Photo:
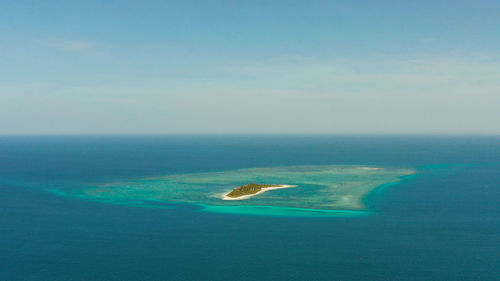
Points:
(248, 190)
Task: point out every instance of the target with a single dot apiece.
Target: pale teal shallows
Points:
(320, 190)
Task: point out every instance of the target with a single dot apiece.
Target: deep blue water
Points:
(442, 225)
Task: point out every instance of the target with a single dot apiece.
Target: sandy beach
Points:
(225, 197)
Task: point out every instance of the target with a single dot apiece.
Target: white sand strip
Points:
(225, 197)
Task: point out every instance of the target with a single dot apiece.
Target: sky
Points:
(225, 67)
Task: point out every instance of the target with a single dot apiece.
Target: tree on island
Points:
(248, 189)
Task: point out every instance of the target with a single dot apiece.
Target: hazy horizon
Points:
(226, 67)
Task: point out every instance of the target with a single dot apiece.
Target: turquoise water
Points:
(103, 208)
(324, 188)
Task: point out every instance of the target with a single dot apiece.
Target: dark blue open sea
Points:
(443, 224)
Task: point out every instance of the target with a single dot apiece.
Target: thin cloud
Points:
(68, 44)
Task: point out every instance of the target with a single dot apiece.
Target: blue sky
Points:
(249, 67)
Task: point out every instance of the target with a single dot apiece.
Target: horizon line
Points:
(248, 134)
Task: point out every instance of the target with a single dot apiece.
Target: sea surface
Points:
(443, 223)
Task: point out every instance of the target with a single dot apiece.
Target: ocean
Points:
(441, 224)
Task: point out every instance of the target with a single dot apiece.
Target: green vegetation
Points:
(247, 189)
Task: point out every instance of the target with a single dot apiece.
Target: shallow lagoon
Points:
(327, 188)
